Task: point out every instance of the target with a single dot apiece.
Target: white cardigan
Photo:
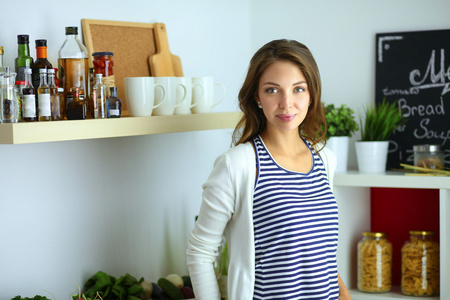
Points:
(227, 209)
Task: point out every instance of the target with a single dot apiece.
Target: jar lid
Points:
(419, 232)
(102, 53)
(427, 148)
(374, 234)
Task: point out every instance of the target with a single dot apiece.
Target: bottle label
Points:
(44, 105)
(114, 112)
(29, 106)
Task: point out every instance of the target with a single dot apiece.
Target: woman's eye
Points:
(271, 90)
(299, 89)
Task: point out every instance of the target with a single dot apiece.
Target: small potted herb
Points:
(341, 126)
(377, 126)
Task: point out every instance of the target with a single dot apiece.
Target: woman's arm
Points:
(344, 294)
(215, 212)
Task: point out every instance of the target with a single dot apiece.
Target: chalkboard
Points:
(413, 69)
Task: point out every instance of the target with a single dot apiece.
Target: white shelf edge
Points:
(390, 179)
(395, 294)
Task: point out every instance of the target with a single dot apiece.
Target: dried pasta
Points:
(374, 264)
(420, 268)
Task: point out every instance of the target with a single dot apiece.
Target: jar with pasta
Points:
(420, 265)
(374, 263)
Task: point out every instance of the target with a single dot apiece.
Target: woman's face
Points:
(284, 96)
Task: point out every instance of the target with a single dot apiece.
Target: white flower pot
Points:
(339, 146)
(372, 156)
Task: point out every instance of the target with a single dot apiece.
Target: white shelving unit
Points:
(353, 187)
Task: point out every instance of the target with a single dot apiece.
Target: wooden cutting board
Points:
(164, 63)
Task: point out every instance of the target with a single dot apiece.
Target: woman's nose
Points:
(285, 101)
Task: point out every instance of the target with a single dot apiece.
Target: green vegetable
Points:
(37, 297)
(108, 287)
(172, 291)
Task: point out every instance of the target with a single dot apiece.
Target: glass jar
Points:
(420, 265)
(374, 263)
(19, 85)
(103, 63)
(429, 156)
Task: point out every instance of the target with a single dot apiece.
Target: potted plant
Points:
(341, 126)
(379, 123)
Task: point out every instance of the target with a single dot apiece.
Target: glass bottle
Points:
(99, 98)
(54, 96)
(9, 105)
(77, 108)
(420, 265)
(23, 60)
(29, 102)
(374, 263)
(73, 65)
(18, 88)
(2, 69)
(113, 104)
(41, 61)
(44, 103)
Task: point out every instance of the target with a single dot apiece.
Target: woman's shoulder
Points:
(238, 156)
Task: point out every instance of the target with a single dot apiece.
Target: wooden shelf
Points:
(54, 131)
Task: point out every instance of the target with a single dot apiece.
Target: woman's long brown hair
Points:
(254, 121)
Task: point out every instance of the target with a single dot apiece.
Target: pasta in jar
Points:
(374, 263)
(420, 265)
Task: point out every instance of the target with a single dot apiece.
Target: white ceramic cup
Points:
(166, 93)
(184, 95)
(140, 96)
(203, 98)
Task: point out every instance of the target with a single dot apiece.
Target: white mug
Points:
(184, 95)
(140, 96)
(166, 93)
(203, 94)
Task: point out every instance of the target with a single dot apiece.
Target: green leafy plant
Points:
(380, 121)
(340, 120)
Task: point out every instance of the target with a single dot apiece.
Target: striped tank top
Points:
(295, 219)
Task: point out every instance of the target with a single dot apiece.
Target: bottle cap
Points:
(22, 39)
(41, 71)
(113, 89)
(102, 53)
(1, 49)
(41, 43)
(71, 30)
(28, 71)
(98, 75)
(20, 82)
(51, 71)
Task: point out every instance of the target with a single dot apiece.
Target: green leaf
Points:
(381, 120)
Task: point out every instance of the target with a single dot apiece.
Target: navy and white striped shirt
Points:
(295, 218)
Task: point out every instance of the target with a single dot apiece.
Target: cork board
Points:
(132, 45)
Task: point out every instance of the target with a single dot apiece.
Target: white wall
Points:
(69, 209)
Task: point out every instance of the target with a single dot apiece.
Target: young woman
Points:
(271, 194)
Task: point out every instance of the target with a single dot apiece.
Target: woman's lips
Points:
(286, 117)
